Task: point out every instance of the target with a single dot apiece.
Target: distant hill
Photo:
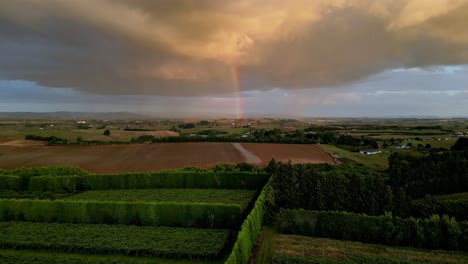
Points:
(71, 115)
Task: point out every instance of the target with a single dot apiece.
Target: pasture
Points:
(301, 249)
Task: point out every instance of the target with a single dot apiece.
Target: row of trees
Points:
(325, 187)
(436, 173)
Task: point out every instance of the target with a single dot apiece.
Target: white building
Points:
(370, 151)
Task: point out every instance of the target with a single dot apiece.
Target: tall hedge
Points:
(250, 229)
(175, 179)
(201, 215)
(10, 182)
(430, 205)
(63, 184)
(433, 233)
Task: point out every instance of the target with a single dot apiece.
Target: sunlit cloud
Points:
(187, 48)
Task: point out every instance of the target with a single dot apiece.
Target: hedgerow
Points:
(175, 179)
(180, 214)
(250, 229)
(432, 233)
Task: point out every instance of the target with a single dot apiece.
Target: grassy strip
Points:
(377, 162)
(114, 239)
(11, 256)
(250, 229)
(238, 197)
(201, 215)
(299, 249)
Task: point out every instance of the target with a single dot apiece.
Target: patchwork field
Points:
(116, 218)
(157, 156)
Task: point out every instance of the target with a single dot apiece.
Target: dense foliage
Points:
(455, 207)
(175, 179)
(73, 180)
(114, 239)
(326, 187)
(443, 173)
(461, 144)
(179, 214)
(250, 229)
(433, 233)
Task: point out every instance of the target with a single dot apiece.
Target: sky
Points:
(297, 58)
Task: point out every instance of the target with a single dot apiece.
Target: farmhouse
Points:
(370, 151)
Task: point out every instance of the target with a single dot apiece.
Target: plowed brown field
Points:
(297, 153)
(150, 157)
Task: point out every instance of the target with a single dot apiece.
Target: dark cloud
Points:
(185, 48)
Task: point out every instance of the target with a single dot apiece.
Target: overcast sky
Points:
(264, 57)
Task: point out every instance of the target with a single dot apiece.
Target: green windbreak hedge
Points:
(176, 214)
(433, 233)
(62, 184)
(10, 182)
(175, 179)
(250, 229)
(430, 205)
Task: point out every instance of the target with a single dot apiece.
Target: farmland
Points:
(114, 239)
(297, 153)
(319, 250)
(238, 197)
(156, 156)
(171, 225)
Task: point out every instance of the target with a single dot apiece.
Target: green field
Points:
(238, 197)
(11, 256)
(321, 249)
(114, 239)
(378, 162)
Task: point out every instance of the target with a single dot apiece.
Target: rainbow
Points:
(237, 91)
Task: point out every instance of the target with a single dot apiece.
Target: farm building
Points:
(370, 151)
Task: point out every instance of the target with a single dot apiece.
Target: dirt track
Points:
(149, 157)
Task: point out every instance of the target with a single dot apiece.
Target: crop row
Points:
(239, 197)
(201, 215)
(12, 256)
(114, 239)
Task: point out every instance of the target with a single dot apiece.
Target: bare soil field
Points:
(151, 157)
(298, 153)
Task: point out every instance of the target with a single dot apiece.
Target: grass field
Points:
(305, 247)
(455, 196)
(238, 197)
(378, 162)
(114, 239)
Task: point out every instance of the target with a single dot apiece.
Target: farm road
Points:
(249, 156)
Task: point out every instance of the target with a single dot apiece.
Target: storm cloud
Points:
(190, 48)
